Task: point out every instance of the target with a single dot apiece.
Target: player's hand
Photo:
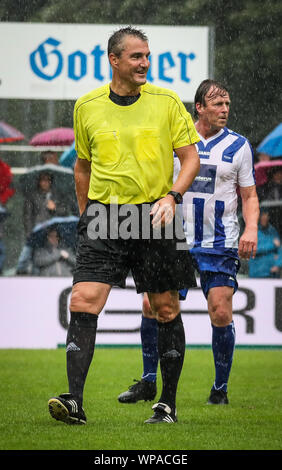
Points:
(163, 212)
(248, 244)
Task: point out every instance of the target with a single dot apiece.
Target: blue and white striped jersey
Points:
(210, 204)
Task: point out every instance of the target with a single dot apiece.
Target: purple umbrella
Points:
(262, 169)
(9, 133)
(58, 136)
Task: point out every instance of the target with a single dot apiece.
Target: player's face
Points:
(215, 111)
(133, 64)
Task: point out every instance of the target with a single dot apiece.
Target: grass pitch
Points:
(252, 420)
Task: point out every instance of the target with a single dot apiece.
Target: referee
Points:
(125, 135)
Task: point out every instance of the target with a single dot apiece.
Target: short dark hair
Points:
(45, 175)
(115, 41)
(52, 229)
(203, 90)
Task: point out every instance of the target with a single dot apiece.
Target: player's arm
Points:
(250, 208)
(164, 210)
(82, 171)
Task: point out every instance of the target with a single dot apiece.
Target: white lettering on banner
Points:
(64, 61)
(37, 317)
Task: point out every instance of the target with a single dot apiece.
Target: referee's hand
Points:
(163, 212)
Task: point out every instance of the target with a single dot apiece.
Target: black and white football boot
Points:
(163, 414)
(65, 408)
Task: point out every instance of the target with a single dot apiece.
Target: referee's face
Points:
(132, 66)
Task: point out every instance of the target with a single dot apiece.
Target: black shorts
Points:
(157, 265)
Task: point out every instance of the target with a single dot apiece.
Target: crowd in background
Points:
(49, 210)
(268, 260)
(47, 203)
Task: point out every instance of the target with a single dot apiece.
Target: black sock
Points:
(171, 346)
(80, 349)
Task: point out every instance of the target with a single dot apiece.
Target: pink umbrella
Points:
(262, 169)
(58, 136)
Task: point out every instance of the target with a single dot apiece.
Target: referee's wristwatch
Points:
(177, 196)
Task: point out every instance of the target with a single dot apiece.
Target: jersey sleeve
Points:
(82, 146)
(246, 174)
(183, 130)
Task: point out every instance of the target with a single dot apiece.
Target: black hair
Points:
(45, 174)
(51, 229)
(115, 42)
(203, 90)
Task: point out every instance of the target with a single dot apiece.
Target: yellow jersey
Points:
(131, 147)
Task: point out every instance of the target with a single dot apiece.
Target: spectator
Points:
(268, 260)
(6, 191)
(272, 190)
(49, 157)
(2, 246)
(6, 177)
(262, 157)
(52, 259)
(272, 193)
(43, 204)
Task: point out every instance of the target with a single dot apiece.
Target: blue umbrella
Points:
(68, 158)
(65, 226)
(272, 143)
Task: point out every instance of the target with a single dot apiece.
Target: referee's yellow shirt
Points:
(131, 147)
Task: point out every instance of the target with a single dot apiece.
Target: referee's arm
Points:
(190, 166)
(164, 209)
(82, 171)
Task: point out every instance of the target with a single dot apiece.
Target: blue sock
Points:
(223, 343)
(149, 339)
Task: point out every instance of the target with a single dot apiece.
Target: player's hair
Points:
(115, 42)
(204, 88)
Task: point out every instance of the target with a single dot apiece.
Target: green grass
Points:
(252, 420)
